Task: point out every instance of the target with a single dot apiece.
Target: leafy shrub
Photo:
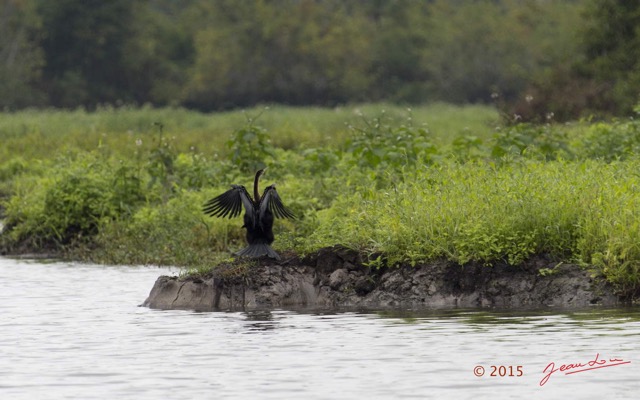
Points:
(611, 141)
(535, 141)
(25, 221)
(12, 168)
(378, 144)
(610, 225)
(175, 233)
(72, 201)
(467, 148)
(194, 171)
(250, 147)
(321, 160)
(160, 164)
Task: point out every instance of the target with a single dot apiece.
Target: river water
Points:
(75, 331)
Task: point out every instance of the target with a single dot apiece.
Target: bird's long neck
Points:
(256, 193)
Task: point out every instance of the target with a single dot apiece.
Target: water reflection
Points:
(510, 317)
(260, 320)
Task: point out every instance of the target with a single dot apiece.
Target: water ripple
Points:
(75, 331)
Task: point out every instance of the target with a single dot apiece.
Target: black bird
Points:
(258, 217)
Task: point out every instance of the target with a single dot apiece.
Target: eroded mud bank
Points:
(337, 278)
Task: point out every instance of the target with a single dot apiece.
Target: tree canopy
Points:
(224, 54)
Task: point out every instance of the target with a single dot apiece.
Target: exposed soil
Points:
(337, 278)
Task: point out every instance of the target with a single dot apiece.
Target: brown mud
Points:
(338, 278)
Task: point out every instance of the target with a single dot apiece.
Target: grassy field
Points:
(34, 134)
(399, 185)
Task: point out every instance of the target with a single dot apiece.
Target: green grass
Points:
(586, 212)
(34, 134)
(435, 182)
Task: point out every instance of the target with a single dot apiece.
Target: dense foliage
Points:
(401, 186)
(567, 57)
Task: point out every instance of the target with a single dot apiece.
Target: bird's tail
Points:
(258, 250)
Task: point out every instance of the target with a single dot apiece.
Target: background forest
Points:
(571, 58)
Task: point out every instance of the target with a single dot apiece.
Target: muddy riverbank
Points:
(337, 278)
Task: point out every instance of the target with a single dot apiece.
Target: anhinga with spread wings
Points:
(258, 217)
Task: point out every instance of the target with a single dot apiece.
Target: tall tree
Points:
(399, 39)
(298, 52)
(159, 53)
(21, 59)
(612, 47)
(83, 45)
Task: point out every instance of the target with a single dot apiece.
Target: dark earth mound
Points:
(337, 278)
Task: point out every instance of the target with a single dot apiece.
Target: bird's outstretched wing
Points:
(271, 201)
(229, 203)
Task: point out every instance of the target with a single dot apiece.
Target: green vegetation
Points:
(401, 186)
(572, 58)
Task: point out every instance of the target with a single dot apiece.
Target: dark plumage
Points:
(258, 217)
